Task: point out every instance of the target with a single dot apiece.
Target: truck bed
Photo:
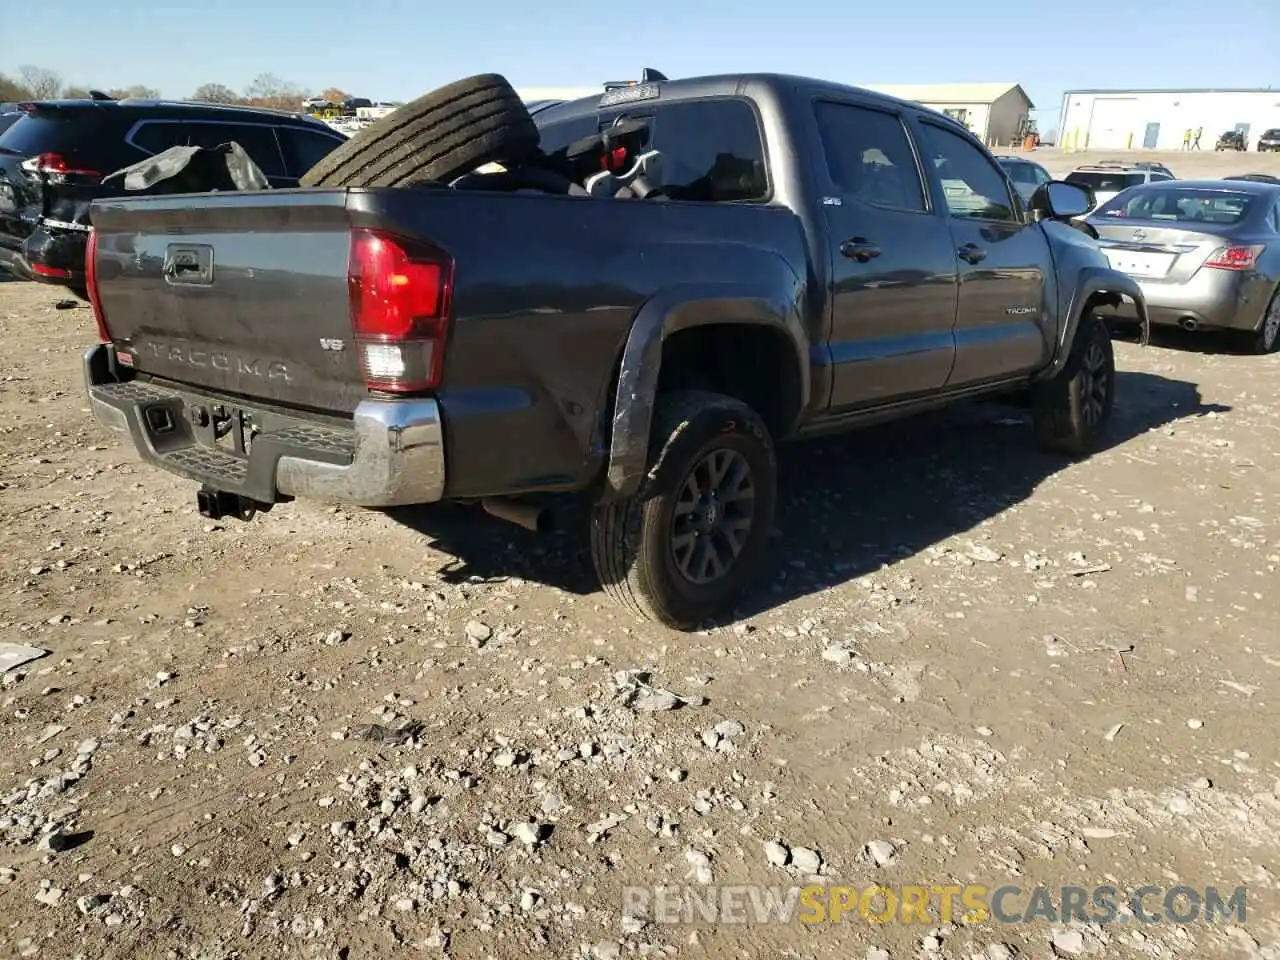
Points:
(246, 298)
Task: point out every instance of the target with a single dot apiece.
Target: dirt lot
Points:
(331, 732)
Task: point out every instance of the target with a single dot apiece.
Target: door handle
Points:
(971, 253)
(860, 249)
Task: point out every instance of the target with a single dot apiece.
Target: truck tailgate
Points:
(237, 293)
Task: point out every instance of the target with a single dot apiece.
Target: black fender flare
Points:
(1090, 281)
(676, 308)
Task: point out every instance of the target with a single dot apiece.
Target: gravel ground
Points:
(335, 733)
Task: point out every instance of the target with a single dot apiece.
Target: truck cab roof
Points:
(719, 85)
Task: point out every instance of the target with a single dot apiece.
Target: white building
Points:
(1158, 119)
(995, 112)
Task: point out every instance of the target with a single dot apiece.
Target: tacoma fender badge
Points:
(337, 346)
(1019, 311)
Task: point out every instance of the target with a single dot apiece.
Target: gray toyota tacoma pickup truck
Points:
(822, 258)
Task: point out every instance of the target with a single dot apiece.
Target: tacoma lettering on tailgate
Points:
(222, 361)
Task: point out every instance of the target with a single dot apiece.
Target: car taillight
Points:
(91, 286)
(400, 292)
(57, 169)
(1234, 258)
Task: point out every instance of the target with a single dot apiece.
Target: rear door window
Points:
(869, 157)
(258, 140)
(303, 149)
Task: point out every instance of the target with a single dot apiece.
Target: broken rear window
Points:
(38, 133)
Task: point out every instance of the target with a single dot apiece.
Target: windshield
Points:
(1179, 204)
(1020, 171)
(1105, 181)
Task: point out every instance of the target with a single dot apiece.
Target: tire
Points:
(440, 136)
(1071, 412)
(1266, 338)
(634, 541)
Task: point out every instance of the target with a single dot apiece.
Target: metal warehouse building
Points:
(996, 112)
(1158, 119)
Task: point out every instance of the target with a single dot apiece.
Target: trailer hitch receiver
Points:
(216, 504)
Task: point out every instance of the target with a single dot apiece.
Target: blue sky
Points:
(396, 49)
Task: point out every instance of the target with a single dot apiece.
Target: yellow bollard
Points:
(1129, 146)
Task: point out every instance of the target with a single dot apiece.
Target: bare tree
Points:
(76, 93)
(215, 93)
(335, 95)
(11, 89)
(41, 84)
(268, 90)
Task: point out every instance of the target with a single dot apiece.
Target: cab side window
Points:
(974, 188)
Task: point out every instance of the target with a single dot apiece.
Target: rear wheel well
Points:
(753, 363)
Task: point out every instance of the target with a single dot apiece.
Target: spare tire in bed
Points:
(440, 136)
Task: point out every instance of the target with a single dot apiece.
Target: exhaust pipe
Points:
(1188, 323)
(537, 519)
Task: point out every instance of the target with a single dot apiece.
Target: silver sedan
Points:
(1206, 253)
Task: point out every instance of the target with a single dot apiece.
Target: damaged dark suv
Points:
(54, 157)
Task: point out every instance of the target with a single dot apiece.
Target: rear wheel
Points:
(440, 136)
(688, 546)
(1071, 412)
(1267, 337)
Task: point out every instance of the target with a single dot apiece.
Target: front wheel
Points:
(1071, 412)
(689, 545)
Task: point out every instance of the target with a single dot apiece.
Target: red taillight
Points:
(91, 286)
(45, 270)
(399, 310)
(1234, 258)
(56, 167)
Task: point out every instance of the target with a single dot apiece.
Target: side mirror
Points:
(1059, 200)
